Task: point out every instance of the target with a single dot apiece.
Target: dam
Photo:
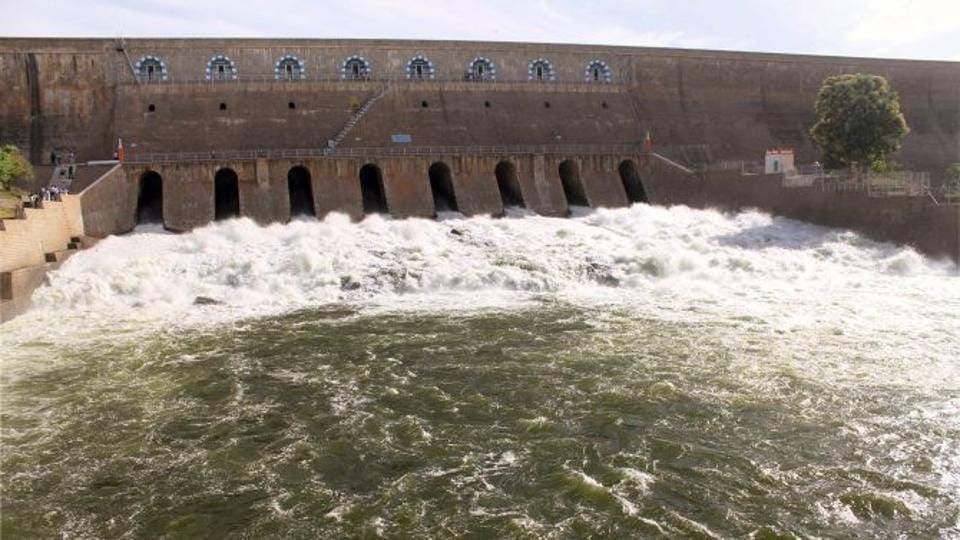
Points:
(563, 124)
(341, 288)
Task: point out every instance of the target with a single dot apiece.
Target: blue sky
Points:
(927, 29)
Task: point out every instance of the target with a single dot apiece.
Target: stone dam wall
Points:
(82, 94)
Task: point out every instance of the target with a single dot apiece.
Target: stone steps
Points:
(357, 116)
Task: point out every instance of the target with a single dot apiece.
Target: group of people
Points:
(48, 194)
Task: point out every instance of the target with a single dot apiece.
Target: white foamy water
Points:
(671, 263)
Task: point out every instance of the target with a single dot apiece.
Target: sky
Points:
(920, 29)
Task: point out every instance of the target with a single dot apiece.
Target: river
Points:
(639, 372)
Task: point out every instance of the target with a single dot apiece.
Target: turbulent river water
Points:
(638, 372)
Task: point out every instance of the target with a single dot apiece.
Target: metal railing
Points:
(672, 163)
(891, 184)
(739, 165)
(294, 153)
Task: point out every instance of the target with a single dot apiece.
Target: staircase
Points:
(122, 48)
(672, 163)
(61, 177)
(357, 116)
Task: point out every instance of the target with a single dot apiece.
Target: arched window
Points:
(289, 68)
(151, 68)
(481, 68)
(540, 70)
(356, 68)
(598, 71)
(221, 68)
(420, 67)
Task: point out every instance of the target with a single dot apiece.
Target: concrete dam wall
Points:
(273, 128)
(220, 94)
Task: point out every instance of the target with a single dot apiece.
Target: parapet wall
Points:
(931, 228)
(109, 204)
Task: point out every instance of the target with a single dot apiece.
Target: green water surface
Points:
(551, 421)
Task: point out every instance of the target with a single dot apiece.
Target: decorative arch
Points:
(221, 67)
(540, 69)
(420, 67)
(481, 68)
(356, 67)
(151, 68)
(598, 71)
(288, 67)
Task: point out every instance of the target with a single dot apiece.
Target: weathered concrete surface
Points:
(30, 247)
(25, 242)
(16, 288)
(109, 204)
(78, 94)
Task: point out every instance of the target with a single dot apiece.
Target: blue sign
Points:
(401, 138)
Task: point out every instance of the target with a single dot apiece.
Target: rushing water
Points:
(625, 373)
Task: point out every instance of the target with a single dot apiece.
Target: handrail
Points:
(672, 163)
(264, 153)
(123, 48)
(358, 115)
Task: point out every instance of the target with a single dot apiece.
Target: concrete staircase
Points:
(357, 116)
(672, 163)
(61, 177)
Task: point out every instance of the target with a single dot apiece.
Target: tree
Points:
(952, 184)
(13, 166)
(859, 121)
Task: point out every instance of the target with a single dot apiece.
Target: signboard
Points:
(401, 138)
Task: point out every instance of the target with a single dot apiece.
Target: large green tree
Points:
(859, 122)
(13, 166)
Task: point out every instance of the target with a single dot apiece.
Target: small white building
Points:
(779, 160)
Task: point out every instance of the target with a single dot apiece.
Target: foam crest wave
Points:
(665, 259)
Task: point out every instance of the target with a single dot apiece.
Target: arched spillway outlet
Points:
(300, 192)
(372, 193)
(226, 194)
(572, 184)
(632, 184)
(150, 198)
(509, 185)
(441, 185)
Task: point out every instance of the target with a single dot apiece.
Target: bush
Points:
(952, 184)
(13, 166)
